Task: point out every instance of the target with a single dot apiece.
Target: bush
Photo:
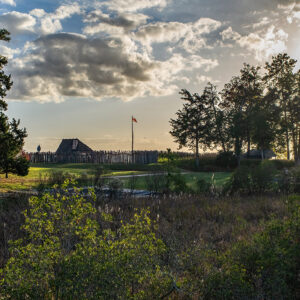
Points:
(296, 179)
(226, 160)
(203, 187)
(256, 179)
(65, 254)
(240, 181)
(281, 164)
(266, 267)
(250, 163)
(262, 177)
(178, 183)
(115, 186)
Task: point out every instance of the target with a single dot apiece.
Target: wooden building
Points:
(73, 146)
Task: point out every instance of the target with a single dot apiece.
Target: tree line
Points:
(258, 108)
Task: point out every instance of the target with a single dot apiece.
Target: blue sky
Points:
(82, 68)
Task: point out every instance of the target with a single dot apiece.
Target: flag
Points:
(134, 120)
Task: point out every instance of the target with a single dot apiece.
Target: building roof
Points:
(68, 146)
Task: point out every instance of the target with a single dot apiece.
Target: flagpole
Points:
(132, 139)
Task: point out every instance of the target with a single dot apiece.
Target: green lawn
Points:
(40, 170)
(35, 172)
(219, 178)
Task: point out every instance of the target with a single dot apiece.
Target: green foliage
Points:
(263, 177)
(203, 187)
(226, 160)
(258, 179)
(240, 181)
(178, 183)
(115, 186)
(253, 110)
(281, 164)
(11, 136)
(65, 254)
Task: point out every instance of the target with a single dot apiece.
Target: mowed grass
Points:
(191, 179)
(38, 171)
(31, 181)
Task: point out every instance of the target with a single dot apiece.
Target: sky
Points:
(81, 69)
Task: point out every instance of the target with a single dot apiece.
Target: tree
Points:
(239, 98)
(190, 127)
(216, 135)
(11, 136)
(281, 80)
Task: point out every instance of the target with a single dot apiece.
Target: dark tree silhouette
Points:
(11, 136)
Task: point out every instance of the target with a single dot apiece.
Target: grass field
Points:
(39, 171)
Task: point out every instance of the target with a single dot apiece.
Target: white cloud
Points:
(229, 35)
(9, 52)
(37, 12)
(264, 45)
(133, 5)
(50, 22)
(203, 79)
(9, 2)
(189, 36)
(17, 23)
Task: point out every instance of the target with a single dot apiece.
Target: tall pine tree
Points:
(11, 136)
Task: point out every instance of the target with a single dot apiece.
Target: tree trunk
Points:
(248, 145)
(6, 174)
(298, 157)
(287, 145)
(218, 128)
(295, 146)
(237, 150)
(197, 153)
(287, 136)
(262, 154)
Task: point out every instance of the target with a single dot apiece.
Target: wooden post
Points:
(132, 136)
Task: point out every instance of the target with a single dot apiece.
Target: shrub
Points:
(65, 255)
(178, 183)
(266, 267)
(203, 187)
(115, 186)
(296, 176)
(250, 163)
(281, 164)
(262, 177)
(156, 183)
(226, 160)
(240, 181)
(256, 179)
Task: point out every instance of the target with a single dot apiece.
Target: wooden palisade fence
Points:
(96, 157)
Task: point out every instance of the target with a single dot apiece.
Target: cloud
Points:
(9, 52)
(9, 2)
(48, 23)
(292, 11)
(204, 79)
(118, 24)
(190, 36)
(71, 65)
(65, 64)
(133, 5)
(265, 44)
(37, 12)
(229, 35)
(17, 23)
